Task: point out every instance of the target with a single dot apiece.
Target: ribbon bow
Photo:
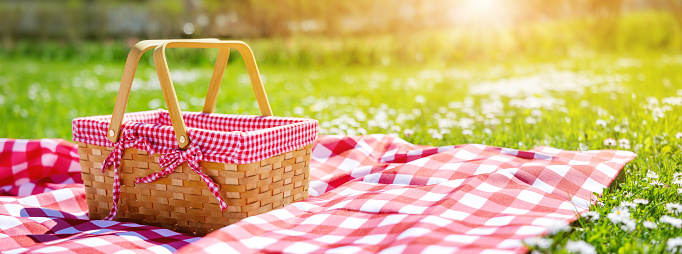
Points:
(172, 160)
(168, 162)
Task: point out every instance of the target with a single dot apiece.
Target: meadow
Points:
(568, 94)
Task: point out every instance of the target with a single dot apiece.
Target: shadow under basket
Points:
(181, 201)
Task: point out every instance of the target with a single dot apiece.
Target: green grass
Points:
(440, 104)
(574, 99)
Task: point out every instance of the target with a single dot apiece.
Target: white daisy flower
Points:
(592, 215)
(656, 183)
(618, 215)
(420, 99)
(652, 175)
(641, 201)
(396, 128)
(675, 222)
(601, 122)
(628, 204)
(629, 225)
(624, 143)
(677, 182)
(558, 226)
(674, 207)
(674, 244)
(649, 224)
(610, 142)
(580, 247)
(542, 243)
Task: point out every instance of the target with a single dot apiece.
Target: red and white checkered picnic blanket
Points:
(369, 194)
(43, 207)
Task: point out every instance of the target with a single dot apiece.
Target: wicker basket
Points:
(181, 201)
(249, 180)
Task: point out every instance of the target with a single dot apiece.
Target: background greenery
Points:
(572, 81)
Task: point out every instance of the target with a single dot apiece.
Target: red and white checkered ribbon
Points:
(128, 139)
(172, 160)
(168, 162)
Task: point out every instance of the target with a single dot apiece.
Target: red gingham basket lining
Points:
(222, 138)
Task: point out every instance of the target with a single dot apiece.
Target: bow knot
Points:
(171, 160)
(128, 139)
(168, 162)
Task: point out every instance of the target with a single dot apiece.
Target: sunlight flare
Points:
(482, 12)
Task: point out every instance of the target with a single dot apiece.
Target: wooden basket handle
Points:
(167, 84)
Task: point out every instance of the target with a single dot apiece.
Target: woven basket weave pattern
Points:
(181, 201)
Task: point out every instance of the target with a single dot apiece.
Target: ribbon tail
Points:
(154, 176)
(116, 193)
(111, 159)
(114, 159)
(211, 185)
(168, 163)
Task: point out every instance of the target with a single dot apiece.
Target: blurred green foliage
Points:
(635, 32)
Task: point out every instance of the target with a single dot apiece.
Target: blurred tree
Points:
(9, 13)
(608, 13)
(675, 7)
(75, 24)
(76, 19)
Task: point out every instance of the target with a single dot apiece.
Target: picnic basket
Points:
(193, 172)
